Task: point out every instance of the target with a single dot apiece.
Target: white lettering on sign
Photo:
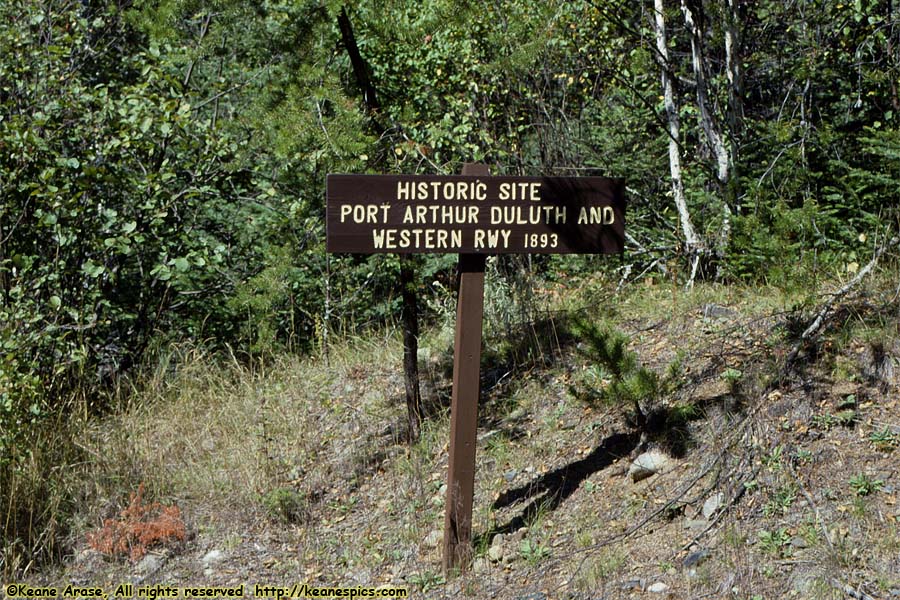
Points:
(364, 213)
(429, 239)
(521, 191)
(445, 215)
(490, 238)
(528, 215)
(603, 215)
(435, 190)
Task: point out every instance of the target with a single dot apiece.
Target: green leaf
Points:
(182, 264)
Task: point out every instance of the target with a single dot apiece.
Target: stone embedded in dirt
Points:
(713, 504)
(695, 558)
(481, 566)
(708, 391)
(212, 557)
(434, 538)
(799, 543)
(632, 584)
(695, 525)
(495, 553)
(714, 311)
(518, 535)
(658, 588)
(649, 463)
(150, 564)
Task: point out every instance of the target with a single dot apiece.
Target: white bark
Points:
(692, 243)
(707, 122)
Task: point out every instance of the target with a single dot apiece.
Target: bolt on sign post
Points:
(473, 215)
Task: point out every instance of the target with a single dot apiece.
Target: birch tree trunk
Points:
(715, 140)
(691, 241)
(707, 121)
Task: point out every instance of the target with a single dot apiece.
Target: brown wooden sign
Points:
(465, 214)
(473, 215)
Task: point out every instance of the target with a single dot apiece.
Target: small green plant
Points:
(864, 485)
(732, 377)
(601, 568)
(884, 439)
(803, 456)
(285, 504)
(775, 543)
(622, 379)
(773, 460)
(824, 421)
(426, 580)
(533, 552)
(846, 418)
(781, 501)
(847, 402)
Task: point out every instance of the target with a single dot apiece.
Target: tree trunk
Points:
(411, 347)
(693, 19)
(691, 242)
(891, 53)
(4, 281)
(409, 310)
(735, 114)
(707, 121)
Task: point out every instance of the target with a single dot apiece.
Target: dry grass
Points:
(219, 439)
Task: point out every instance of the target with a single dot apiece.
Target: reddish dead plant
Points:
(139, 527)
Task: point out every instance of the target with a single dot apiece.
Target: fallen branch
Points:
(826, 312)
(853, 593)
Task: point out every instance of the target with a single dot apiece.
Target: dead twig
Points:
(826, 311)
(853, 593)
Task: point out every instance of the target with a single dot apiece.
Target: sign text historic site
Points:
(465, 214)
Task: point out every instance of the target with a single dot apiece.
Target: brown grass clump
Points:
(139, 527)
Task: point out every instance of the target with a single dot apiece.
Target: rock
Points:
(695, 558)
(212, 557)
(534, 596)
(518, 535)
(510, 475)
(713, 504)
(481, 565)
(799, 543)
(434, 538)
(495, 553)
(151, 563)
(714, 311)
(695, 525)
(632, 584)
(649, 463)
(88, 556)
(709, 391)
(658, 588)
(803, 582)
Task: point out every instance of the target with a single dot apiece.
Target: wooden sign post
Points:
(473, 215)
(464, 405)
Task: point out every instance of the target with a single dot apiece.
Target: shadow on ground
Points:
(551, 489)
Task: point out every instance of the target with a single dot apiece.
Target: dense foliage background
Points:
(162, 166)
